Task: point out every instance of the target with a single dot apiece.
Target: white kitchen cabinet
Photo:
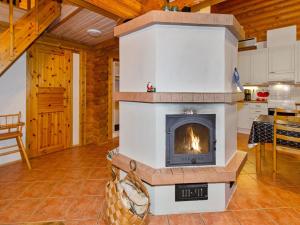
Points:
(259, 66)
(253, 66)
(243, 115)
(297, 78)
(282, 63)
(247, 113)
(244, 66)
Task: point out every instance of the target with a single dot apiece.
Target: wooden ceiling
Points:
(258, 16)
(79, 15)
(75, 22)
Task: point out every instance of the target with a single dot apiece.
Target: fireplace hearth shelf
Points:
(177, 97)
(181, 175)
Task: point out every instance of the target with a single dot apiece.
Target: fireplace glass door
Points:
(190, 139)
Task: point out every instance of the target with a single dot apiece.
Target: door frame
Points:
(82, 92)
(111, 101)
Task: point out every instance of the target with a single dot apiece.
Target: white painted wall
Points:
(13, 99)
(76, 99)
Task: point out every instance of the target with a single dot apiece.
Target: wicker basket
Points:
(116, 213)
(114, 172)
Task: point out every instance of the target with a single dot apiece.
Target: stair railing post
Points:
(36, 5)
(11, 28)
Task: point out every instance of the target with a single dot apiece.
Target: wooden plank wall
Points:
(258, 16)
(97, 96)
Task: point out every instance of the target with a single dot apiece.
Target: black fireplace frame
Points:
(175, 121)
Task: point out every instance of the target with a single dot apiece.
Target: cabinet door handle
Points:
(272, 72)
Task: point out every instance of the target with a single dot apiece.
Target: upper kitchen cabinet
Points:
(244, 66)
(253, 67)
(259, 65)
(282, 63)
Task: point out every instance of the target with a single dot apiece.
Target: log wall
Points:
(97, 95)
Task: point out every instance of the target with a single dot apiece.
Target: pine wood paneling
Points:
(121, 8)
(49, 101)
(258, 16)
(75, 28)
(82, 50)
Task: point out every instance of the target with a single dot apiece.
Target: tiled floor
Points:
(69, 186)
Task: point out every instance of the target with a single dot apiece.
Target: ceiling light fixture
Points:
(94, 32)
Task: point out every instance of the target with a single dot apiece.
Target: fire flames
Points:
(194, 140)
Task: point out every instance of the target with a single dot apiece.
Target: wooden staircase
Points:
(21, 34)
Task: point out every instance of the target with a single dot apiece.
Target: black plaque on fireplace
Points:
(191, 139)
(191, 192)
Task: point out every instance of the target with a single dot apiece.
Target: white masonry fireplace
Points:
(183, 136)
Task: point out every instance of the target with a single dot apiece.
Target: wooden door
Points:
(49, 102)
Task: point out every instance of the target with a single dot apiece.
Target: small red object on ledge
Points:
(150, 87)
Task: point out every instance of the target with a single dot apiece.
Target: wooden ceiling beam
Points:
(205, 3)
(158, 4)
(65, 19)
(49, 39)
(116, 9)
(94, 8)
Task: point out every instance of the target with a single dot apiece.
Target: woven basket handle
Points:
(132, 165)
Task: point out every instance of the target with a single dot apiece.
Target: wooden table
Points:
(261, 133)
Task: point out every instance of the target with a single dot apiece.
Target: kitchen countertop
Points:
(253, 101)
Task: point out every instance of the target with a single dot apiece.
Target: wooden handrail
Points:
(36, 5)
(21, 34)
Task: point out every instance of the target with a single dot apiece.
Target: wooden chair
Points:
(11, 128)
(285, 121)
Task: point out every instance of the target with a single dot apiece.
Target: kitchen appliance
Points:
(247, 93)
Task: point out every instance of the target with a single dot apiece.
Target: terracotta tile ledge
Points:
(175, 97)
(181, 18)
(180, 175)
